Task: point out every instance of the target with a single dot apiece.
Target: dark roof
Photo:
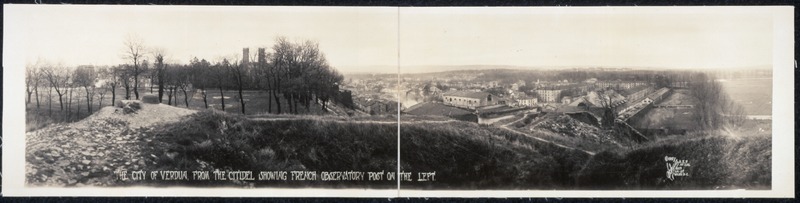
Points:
(562, 87)
(475, 95)
(429, 108)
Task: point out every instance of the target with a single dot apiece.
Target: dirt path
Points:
(494, 120)
(546, 141)
(512, 122)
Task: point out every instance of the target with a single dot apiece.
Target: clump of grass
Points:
(35, 121)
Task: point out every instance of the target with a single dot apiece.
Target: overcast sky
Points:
(94, 34)
(641, 37)
(369, 39)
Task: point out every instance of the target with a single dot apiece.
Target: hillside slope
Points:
(466, 155)
(463, 155)
(716, 161)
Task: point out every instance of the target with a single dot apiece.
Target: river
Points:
(755, 94)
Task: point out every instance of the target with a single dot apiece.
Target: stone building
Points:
(470, 100)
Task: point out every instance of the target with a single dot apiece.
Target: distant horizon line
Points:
(519, 67)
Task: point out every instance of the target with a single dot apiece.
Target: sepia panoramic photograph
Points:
(364, 99)
(206, 96)
(625, 100)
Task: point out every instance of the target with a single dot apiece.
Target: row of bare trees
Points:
(714, 107)
(292, 73)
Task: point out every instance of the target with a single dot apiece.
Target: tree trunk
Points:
(296, 103)
(308, 104)
(289, 101)
(77, 111)
(69, 103)
(88, 100)
(241, 97)
(160, 90)
(128, 91)
(28, 101)
(113, 95)
(222, 98)
(185, 98)
(50, 101)
(61, 100)
(205, 98)
(275, 96)
(37, 97)
(175, 95)
(100, 103)
(269, 101)
(136, 83)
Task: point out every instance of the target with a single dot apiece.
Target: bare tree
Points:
(219, 75)
(238, 72)
(262, 71)
(134, 51)
(124, 74)
(283, 56)
(104, 76)
(609, 108)
(183, 81)
(714, 108)
(172, 79)
(114, 80)
(58, 77)
(86, 77)
(32, 80)
(200, 77)
(159, 74)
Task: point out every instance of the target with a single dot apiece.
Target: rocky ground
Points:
(567, 126)
(88, 152)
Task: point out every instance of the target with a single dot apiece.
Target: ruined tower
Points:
(245, 55)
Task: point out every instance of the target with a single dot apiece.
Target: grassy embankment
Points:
(470, 156)
(212, 140)
(458, 152)
(464, 155)
(718, 161)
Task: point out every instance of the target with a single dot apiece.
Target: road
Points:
(545, 141)
(494, 120)
(534, 123)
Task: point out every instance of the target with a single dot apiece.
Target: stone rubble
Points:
(63, 155)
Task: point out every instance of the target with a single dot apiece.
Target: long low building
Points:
(469, 100)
